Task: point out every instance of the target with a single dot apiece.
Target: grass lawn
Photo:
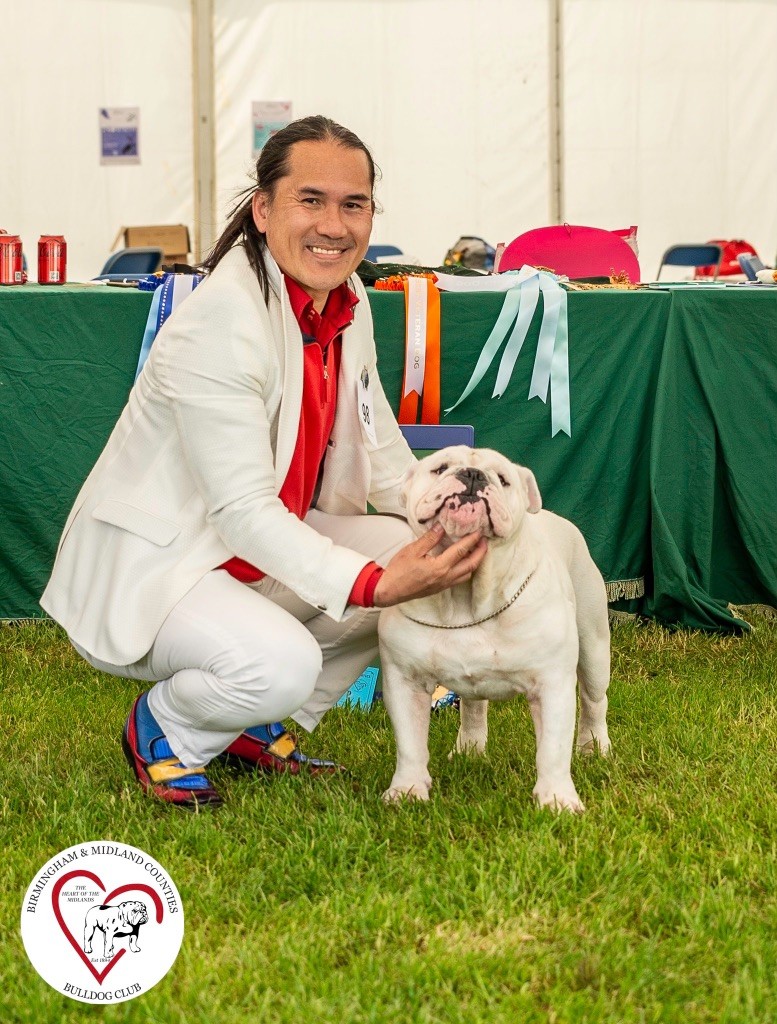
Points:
(310, 902)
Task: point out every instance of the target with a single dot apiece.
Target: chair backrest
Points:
(574, 250)
(433, 436)
(133, 261)
(750, 264)
(377, 252)
(692, 254)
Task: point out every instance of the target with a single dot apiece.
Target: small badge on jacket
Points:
(366, 411)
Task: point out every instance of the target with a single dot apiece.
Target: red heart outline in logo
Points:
(99, 976)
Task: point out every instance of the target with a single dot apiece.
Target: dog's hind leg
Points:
(593, 666)
(473, 728)
(593, 673)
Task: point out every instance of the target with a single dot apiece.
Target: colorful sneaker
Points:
(270, 748)
(157, 768)
(444, 698)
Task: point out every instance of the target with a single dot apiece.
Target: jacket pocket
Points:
(136, 520)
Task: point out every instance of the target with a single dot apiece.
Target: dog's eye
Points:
(502, 481)
(440, 469)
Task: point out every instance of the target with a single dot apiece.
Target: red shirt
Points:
(322, 340)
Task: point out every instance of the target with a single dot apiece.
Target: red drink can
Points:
(11, 267)
(52, 259)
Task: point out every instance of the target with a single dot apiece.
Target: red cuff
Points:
(363, 590)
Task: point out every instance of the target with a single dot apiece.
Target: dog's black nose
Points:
(473, 479)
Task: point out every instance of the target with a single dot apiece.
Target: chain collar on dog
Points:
(477, 622)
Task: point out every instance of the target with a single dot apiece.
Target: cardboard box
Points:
(172, 239)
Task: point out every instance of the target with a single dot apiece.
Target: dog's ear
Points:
(533, 496)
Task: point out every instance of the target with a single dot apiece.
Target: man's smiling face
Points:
(318, 221)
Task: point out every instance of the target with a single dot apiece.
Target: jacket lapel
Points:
(291, 354)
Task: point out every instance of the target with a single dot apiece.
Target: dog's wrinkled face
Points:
(135, 912)
(469, 489)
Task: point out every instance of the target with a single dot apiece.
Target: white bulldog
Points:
(531, 619)
(115, 920)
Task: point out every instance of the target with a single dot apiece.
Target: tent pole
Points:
(556, 113)
(204, 128)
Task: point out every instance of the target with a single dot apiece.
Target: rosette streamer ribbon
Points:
(551, 363)
(171, 291)
(422, 352)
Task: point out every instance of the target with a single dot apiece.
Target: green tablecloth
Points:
(67, 362)
(670, 470)
(714, 457)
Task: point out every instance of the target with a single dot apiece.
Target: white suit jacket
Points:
(190, 475)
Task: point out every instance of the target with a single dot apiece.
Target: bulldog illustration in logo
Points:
(121, 920)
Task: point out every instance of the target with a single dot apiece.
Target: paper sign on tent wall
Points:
(119, 130)
(267, 118)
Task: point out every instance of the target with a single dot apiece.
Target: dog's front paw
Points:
(559, 798)
(398, 791)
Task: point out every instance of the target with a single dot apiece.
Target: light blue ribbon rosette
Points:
(167, 297)
(551, 363)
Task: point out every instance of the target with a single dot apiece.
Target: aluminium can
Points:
(52, 259)
(11, 262)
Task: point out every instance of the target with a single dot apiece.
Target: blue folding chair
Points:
(433, 436)
(376, 252)
(692, 255)
(131, 264)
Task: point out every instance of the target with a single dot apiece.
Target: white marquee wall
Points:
(670, 117)
(668, 113)
(61, 62)
(450, 95)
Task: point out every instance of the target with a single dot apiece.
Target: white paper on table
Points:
(486, 283)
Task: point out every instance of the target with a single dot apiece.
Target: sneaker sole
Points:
(280, 768)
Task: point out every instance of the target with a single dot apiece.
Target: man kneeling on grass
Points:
(220, 544)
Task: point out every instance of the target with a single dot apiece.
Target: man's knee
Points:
(272, 678)
(298, 669)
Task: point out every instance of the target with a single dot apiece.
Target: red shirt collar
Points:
(336, 315)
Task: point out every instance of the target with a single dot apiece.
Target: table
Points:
(670, 471)
(714, 457)
(67, 362)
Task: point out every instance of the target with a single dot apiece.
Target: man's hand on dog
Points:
(416, 572)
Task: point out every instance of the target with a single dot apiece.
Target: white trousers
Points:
(231, 655)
